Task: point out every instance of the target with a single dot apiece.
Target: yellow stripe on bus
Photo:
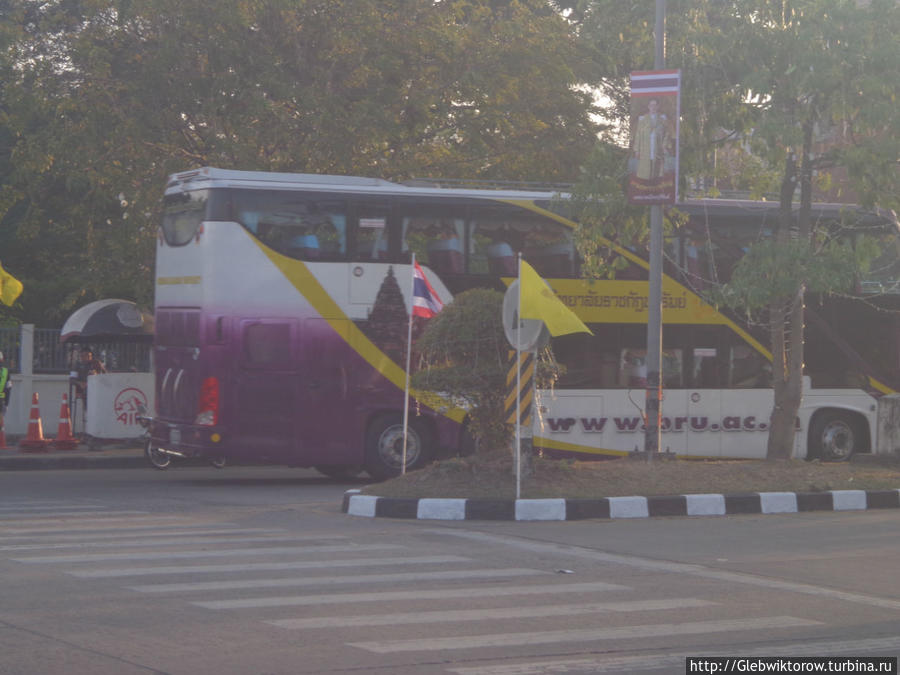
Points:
(309, 287)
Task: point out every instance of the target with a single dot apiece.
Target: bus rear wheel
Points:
(384, 447)
(834, 437)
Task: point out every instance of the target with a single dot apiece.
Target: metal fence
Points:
(51, 357)
(9, 345)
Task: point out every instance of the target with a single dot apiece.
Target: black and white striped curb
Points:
(356, 504)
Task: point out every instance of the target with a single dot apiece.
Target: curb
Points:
(356, 504)
(54, 462)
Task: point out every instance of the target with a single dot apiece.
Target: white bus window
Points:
(372, 237)
(633, 368)
(183, 215)
(437, 242)
(496, 240)
(706, 368)
(296, 225)
(748, 369)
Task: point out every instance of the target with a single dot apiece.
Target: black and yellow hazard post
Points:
(518, 406)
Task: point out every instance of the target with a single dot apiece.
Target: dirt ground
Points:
(491, 475)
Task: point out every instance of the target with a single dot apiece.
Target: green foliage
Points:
(464, 354)
(102, 99)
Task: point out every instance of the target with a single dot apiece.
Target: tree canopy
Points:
(102, 99)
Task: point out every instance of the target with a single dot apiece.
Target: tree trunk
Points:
(787, 354)
(787, 319)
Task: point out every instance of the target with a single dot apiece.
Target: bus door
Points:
(703, 404)
(266, 388)
(329, 424)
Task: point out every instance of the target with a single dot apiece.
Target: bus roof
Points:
(211, 177)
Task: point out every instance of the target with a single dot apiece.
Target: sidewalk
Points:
(113, 456)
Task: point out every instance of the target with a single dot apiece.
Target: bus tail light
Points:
(208, 403)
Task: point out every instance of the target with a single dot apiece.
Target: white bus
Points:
(270, 345)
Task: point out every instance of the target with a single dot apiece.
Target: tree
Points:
(102, 99)
(464, 355)
(810, 87)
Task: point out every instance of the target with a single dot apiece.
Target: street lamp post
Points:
(653, 398)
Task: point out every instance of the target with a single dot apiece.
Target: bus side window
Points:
(747, 369)
(436, 242)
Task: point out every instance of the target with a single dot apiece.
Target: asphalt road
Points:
(255, 570)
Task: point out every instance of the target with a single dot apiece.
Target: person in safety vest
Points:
(5, 389)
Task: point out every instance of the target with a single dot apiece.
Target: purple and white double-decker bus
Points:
(281, 322)
(281, 304)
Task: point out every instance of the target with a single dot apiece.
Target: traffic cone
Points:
(64, 438)
(34, 441)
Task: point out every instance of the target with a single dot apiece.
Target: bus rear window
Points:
(183, 214)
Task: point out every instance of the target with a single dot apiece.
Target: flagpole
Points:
(519, 384)
(412, 300)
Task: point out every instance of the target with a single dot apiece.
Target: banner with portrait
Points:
(655, 112)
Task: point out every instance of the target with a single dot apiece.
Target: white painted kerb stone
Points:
(848, 500)
(362, 505)
(705, 505)
(540, 509)
(628, 507)
(778, 502)
(441, 509)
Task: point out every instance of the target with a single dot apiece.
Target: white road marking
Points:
(584, 635)
(444, 594)
(151, 532)
(701, 571)
(322, 581)
(221, 553)
(141, 543)
(246, 567)
(675, 662)
(536, 612)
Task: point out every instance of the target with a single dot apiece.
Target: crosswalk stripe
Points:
(246, 567)
(222, 553)
(93, 523)
(445, 616)
(444, 575)
(675, 662)
(62, 508)
(141, 543)
(421, 594)
(67, 513)
(585, 635)
(152, 531)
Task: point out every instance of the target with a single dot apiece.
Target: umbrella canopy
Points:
(108, 319)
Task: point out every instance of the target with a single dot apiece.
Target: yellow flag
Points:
(538, 301)
(10, 287)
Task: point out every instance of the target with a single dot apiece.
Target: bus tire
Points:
(384, 446)
(158, 460)
(834, 436)
(339, 472)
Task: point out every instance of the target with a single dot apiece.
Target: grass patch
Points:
(490, 475)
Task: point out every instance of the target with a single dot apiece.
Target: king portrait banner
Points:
(655, 111)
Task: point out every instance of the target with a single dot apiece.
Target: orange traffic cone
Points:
(34, 441)
(64, 438)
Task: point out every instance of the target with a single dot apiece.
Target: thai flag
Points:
(426, 302)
